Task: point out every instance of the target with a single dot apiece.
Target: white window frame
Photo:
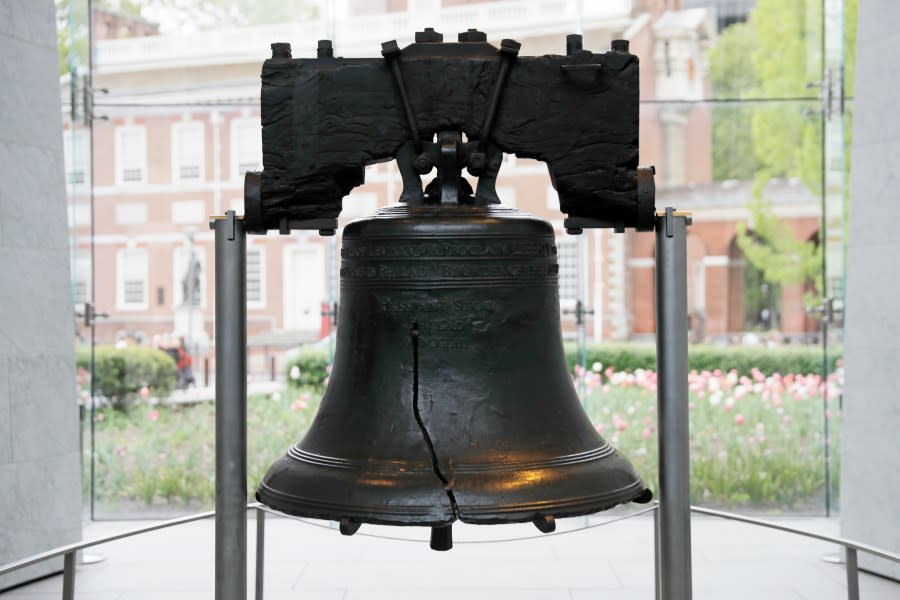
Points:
(552, 199)
(235, 164)
(571, 243)
(359, 204)
(81, 276)
(77, 140)
(177, 129)
(186, 206)
(507, 195)
(142, 212)
(179, 264)
(260, 302)
(120, 156)
(121, 256)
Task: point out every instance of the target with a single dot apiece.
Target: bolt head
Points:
(429, 35)
(619, 46)
(422, 164)
(472, 35)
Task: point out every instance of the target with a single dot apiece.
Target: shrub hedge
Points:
(311, 364)
(702, 357)
(311, 368)
(120, 373)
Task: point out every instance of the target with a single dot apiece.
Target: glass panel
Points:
(731, 117)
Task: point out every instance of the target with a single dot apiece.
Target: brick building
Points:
(181, 125)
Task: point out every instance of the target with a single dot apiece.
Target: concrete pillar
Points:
(870, 461)
(40, 471)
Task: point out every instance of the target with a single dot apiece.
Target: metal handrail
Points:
(846, 543)
(851, 547)
(68, 551)
(72, 548)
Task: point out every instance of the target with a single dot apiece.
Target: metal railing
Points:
(68, 552)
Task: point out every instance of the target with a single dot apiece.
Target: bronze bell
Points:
(449, 396)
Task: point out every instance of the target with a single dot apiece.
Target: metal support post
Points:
(68, 591)
(672, 397)
(852, 575)
(231, 408)
(260, 551)
(656, 552)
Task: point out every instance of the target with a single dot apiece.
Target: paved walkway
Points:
(731, 561)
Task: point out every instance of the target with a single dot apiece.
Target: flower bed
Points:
(756, 440)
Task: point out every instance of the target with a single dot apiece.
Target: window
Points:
(131, 279)
(81, 279)
(567, 255)
(189, 212)
(552, 199)
(76, 148)
(79, 214)
(189, 269)
(131, 213)
(359, 204)
(507, 196)
(187, 151)
(256, 277)
(246, 146)
(131, 154)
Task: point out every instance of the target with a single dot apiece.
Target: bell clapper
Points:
(442, 538)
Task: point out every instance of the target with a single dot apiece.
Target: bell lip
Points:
(418, 516)
(423, 515)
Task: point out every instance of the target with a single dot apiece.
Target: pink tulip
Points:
(645, 433)
(145, 392)
(600, 427)
(738, 419)
(153, 415)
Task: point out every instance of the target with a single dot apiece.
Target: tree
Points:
(773, 56)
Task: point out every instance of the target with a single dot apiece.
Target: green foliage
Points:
(732, 76)
(775, 54)
(308, 369)
(772, 248)
(120, 373)
(164, 456)
(702, 357)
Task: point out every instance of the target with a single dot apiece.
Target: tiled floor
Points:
(730, 560)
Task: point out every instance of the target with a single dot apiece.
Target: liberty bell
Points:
(449, 397)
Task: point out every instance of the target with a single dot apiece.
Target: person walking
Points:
(183, 364)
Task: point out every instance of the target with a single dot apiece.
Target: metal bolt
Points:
(326, 232)
(325, 49)
(422, 164)
(574, 230)
(281, 50)
(619, 46)
(472, 35)
(573, 43)
(477, 162)
(429, 35)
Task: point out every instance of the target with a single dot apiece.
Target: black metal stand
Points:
(673, 552)
(673, 524)
(231, 407)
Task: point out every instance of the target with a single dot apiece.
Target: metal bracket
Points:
(90, 314)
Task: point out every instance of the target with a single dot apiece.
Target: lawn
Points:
(756, 441)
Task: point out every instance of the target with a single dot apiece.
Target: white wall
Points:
(40, 472)
(870, 456)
